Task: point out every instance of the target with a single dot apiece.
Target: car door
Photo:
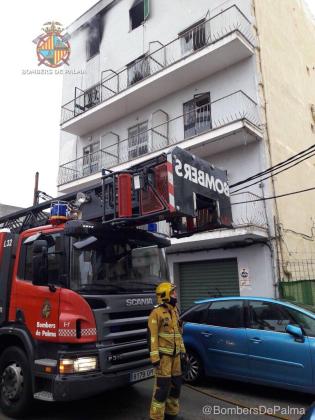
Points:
(193, 320)
(224, 339)
(274, 354)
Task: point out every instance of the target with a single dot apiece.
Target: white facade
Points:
(217, 60)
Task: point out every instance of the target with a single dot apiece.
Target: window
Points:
(196, 314)
(194, 37)
(197, 115)
(269, 316)
(55, 259)
(91, 159)
(138, 140)
(139, 13)
(304, 321)
(138, 70)
(94, 37)
(91, 97)
(227, 313)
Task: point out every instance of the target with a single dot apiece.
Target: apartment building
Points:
(146, 75)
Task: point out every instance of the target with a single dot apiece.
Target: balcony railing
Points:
(221, 112)
(246, 211)
(187, 43)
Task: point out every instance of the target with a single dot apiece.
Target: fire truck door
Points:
(38, 306)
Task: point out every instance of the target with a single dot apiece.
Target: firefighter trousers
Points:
(166, 391)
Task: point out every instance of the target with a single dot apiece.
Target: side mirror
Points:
(40, 263)
(295, 331)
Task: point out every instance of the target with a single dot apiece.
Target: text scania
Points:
(200, 177)
(139, 301)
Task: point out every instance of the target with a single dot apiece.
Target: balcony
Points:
(249, 226)
(211, 128)
(202, 50)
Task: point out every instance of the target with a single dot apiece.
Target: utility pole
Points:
(35, 199)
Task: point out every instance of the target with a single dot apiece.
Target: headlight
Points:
(78, 365)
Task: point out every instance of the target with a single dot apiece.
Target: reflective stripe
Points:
(169, 335)
(152, 353)
(165, 350)
(157, 404)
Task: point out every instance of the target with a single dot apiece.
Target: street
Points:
(212, 400)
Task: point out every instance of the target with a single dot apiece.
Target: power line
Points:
(275, 173)
(279, 165)
(274, 196)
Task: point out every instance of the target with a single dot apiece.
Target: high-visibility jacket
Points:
(164, 332)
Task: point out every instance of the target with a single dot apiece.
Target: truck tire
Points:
(15, 383)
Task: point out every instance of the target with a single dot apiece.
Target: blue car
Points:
(252, 339)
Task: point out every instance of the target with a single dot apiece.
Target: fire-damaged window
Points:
(194, 37)
(95, 29)
(55, 259)
(138, 140)
(197, 115)
(138, 69)
(138, 13)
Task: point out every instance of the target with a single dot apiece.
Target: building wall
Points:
(255, 259)
(120, 46)
(240, 76)
(287, 37)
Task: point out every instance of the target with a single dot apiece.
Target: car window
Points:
(268, 316)
(227, 313)
(304, 321)
(196, 314)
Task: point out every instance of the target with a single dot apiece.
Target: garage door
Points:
(203, 279)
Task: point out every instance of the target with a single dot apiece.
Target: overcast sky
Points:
(30, 104)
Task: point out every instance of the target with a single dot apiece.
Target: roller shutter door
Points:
(203, 279)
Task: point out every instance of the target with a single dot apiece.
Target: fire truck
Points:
(78, 274)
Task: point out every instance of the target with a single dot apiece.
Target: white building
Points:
(148, 74)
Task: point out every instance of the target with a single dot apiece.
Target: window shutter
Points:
(146, 9)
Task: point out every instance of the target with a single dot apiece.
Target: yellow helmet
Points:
(163, 292)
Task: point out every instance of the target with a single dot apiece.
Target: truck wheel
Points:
(195, 371)
(15, 383)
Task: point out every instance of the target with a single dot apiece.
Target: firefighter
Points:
(166, 351)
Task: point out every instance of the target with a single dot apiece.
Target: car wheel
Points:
(194, 370)
(15, 383)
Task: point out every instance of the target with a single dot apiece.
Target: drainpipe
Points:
(271, 247)
(264, 107)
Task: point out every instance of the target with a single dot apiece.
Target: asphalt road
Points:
(214, 399)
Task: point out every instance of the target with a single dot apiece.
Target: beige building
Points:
(286, 68)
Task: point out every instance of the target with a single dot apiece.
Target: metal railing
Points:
(187, 43)
(248, 213)
(235, 107)
(221, 112)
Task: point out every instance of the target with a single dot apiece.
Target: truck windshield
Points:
(117, 268)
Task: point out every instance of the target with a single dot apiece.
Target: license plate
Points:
(142, 374)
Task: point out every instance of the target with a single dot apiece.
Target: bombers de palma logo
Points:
(46, 309)
(53, 48)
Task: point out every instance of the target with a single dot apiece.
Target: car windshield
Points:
(117, 268)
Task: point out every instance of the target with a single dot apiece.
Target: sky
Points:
(30, 104)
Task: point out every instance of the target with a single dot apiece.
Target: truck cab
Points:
(82, 302)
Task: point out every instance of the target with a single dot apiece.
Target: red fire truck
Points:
(77, 284)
